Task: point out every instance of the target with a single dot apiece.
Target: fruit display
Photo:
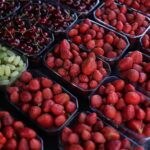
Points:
(15, 135)
(75, 73)
(140, 5)
(76, 66)
(136, 68)
(11, 65)
(50, 16)
(45, 101)
(119, 101)
(90, 133)
(96, 38)
(145, 42)
(7, 8)
(122, 19)
(81, 7)
(28, 39)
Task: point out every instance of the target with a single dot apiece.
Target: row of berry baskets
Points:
(81, 62)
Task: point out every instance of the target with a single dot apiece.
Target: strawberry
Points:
(26, 77)
(23, 144)
(89, 66)
(34, 85)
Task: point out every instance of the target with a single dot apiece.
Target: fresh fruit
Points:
(98, 39)
(78, 67)
(120, 102)
(43, 100)
(130, 22)
(16, 135)
(89, 135)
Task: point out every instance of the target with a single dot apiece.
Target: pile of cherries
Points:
(48, 15)
(30, 39)
(80, 5)
(7, 8)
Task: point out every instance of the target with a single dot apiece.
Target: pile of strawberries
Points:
(136, 69)
(142, 5)
(101, 41)
(76, 66)
(90, 133)
(120, 102)
(123, 19)
(14, 135)
(146, 40)
(42, 99)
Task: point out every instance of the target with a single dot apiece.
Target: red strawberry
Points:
(34, 85)
(23, 144)
(46, 83)
(26, 77)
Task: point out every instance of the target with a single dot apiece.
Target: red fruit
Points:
(74, 70)
(125, 143)
(93, 84)
(85, 135)
(98, 137)
(73, 32)
(57, 89)
(89, 145)
(136, 125)
(119, 85)
(50, 61)
(34, 112)
(83, 78)
(2, 139)
(140, 113)
(75, 147)
(38, 98)
(111, 15)
(70, 107)
(147, 117)
(11, 144)
(27, 133)
(115, 145)
(18, 125)
(34, 85)
(35, 144)
(127, 28)
(129, 88)
(97, 75)
(65, 49)
(146, 130)
(96, 101)
(128, 113)
(87, 38)
(77, 39)
(47, 106)
(109, 88)
(65, 133)
(122, 17)
(109, 111)
(89, 66)
(121, 44)
(82, 117)
(137, 57)
(83, 28)
(25, 96)
(57, 109)
(8, 132)
(62, 98)
(26, 77)
(125, 63)
(138, 148)
(12, 89)
(23, 144)
(133, 75)
(112, 98)
(95, 27)
(58, 62)
(90, 44)
(25, 107)
(119, 26)
(110, 133)
(73, 138)
(98, 51)
(46, 83)
(120, 104)
(14, 97)
(62, 72)
(91, 119)
(132, 98)
(60, 120)
(7, 120)
(118, 118)
(47, 94)
(45, 120)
